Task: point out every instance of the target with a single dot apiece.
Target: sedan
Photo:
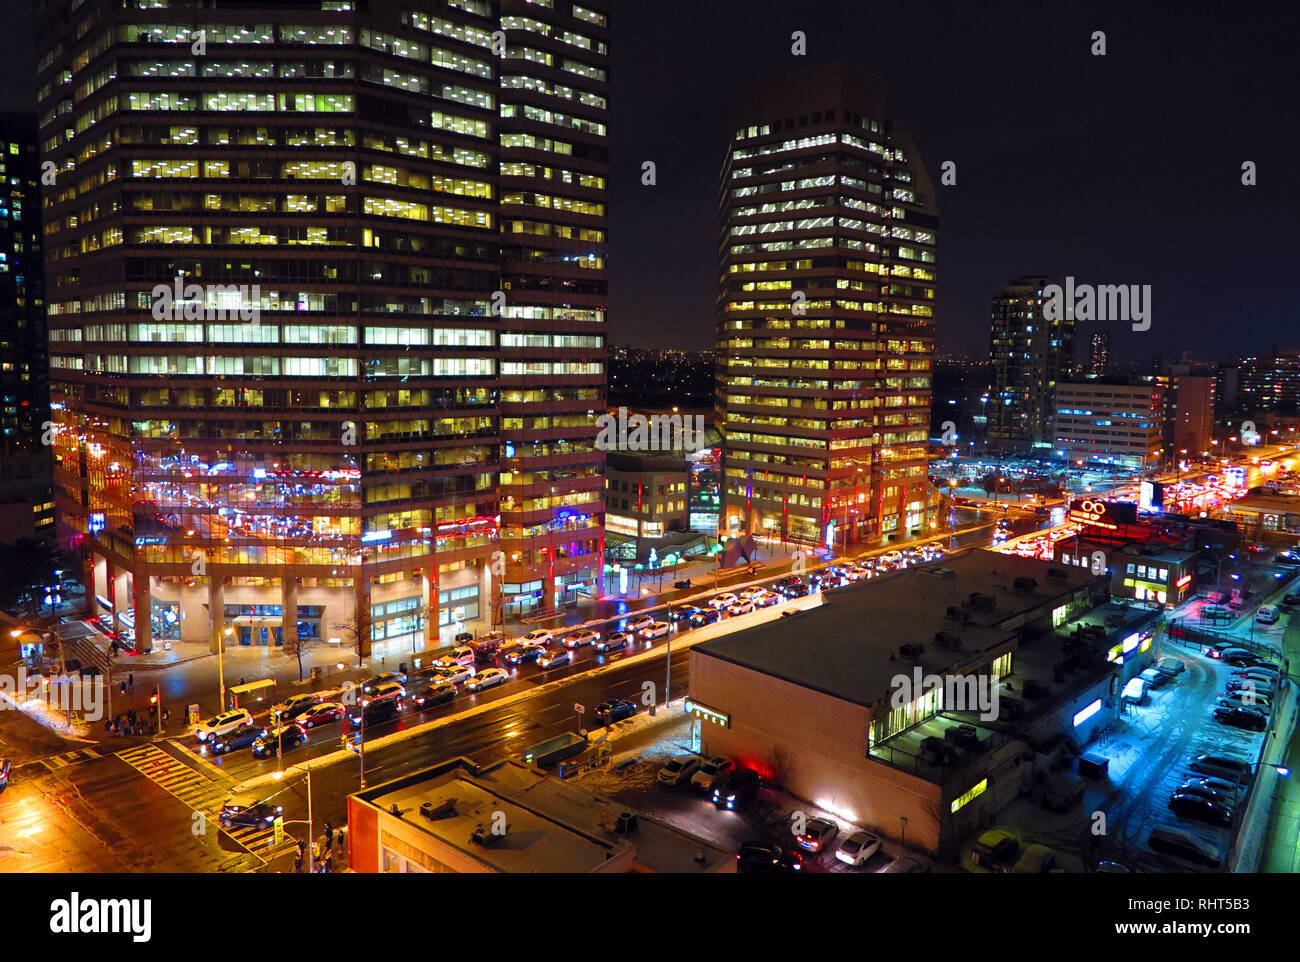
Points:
(239, 738)
(1246, 718)
(487, 678)
(741, 607)
(247, 810)
(816, 834)
(580, 638)
(760, 857)
(292, 708)
(1226, 799)
(1201, 809)
(523, 654)
(438, 693)
(1245, 700)
(766, 599)
(457, 674)
(751, 591)
(1238, 658)
(553, 659)
(618, 641)
(682, 613)
(857, 848)
(705, 616)
(539, 637)
(277, 740)
(722, 600)
(614, 710)
(656, 629)
(321, 714)
(639, 623)
(1290, 599)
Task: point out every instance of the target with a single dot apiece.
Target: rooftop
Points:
(848, 647)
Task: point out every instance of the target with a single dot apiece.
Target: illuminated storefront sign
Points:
(708, 714)
(1183, 582)
(1084, 714)
(971, 795)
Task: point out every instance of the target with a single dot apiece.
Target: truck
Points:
(555, 749)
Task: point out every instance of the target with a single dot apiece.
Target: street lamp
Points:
(311, 834)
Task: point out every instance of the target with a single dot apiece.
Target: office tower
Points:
(306, 265)
(826, 304)
(24, 380)
(1269, 382)
(1112, 420)
(1099, 356)
(1030, 355)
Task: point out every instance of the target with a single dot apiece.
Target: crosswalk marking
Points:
(197, 792)
(55, 762)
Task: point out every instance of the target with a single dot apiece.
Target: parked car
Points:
(294, 707)
(1034, 860)
(1223, 766)
(1194, 787)
(1171, 840)
(1252, 683)
(580, 638)
(710, 772)
(760, 857)
(817, 834)
(321, 714)
(285, 736)
(1216, 613)
(553, 659)
(1290, 598)
(1155, 678)
(1135, 691)
(656, 630)
(1171, 666)
(1267, 614)
(995, 851)
(679, 769)
(1247, 718)
(487, 678)
(539, 636)
(617, 641)
(247, 810)
(1216, 651)
(857, 848)
(225, 722)
(1229, 790)
(737, 790)
(1238, 657)
(902, 865)
(1186, 805)
(524, 654)
(239, 738)
(614, 710)
(1246, 699)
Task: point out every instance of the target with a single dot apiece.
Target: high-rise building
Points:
(826, 305)
(1269, 382)
(24, 364)
(1099, 355)
(1193, 413)
(327, 310)
(1030, 355)
(1113, 420)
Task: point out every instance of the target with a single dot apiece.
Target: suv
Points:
(247, 810)
(738, 790)
(995, 851)
(1222, 766)
(222, 724)
(711, 772)
(679, 769)
(614, 710)
(286, 736)
(376, 712)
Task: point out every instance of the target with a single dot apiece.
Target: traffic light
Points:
(153, 699)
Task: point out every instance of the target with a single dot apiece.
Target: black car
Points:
(682, 613)
(241, 737)
(738, 790)
(1239, 659)
(434, 694)
(377, 712)
(759, 857)
(1287, 558)
(524, 653)
(1241, 718)
(1200, 808)
(797, 590)
(1290, 599)
(614, 710)
(245, 810)
(288, 736)
(705, 616)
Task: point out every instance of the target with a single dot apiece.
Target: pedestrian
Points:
(167, 715)
(130, 682)
(329, 836)
(297, 863)
(123, 686)
(329, 863)
(108, 726)
(315, 851)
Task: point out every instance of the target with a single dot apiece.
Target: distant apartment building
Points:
(1030, 355)
(1111, 421)
(1269, 383)
(826, 311)
(1099, 354)
(327, 308)
(1192, 421)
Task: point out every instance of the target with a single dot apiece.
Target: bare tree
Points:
(295, 647)
(780, 762)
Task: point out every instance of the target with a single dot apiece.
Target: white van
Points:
(1267, 615)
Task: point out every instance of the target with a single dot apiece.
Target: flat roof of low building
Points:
(848, 647)
(1266, 504)
(554, 825)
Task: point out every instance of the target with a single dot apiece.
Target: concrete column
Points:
(429, 601)
(289, 616)
(216, 610)
(361, 609)
(487, 586)
(143, 605)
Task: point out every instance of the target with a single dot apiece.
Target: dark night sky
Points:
(1116, 169)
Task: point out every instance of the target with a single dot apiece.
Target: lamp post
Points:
(311, 833)
(226, 632)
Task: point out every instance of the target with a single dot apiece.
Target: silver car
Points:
(680, 769)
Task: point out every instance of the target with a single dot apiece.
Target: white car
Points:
(722, 600)
(583, 636)
(656, 629)
(679, 769)
(388, 691)
(742, 606)
(751, 591)
(857, 848)
(639, 623)
(539, 637)
(712, 772)
(487, 678)
(456, 673)
(766, 599)
(223, 724)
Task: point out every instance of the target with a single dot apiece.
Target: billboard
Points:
(1102, 514)
(1151, 496)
